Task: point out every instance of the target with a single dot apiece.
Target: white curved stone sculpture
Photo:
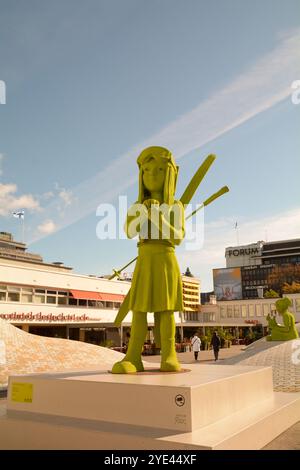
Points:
(25, 353)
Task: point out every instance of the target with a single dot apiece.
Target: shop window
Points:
(62, 300)
(109, 305)
(223, 312)
(244, 311)
(229, 312)
(251, 310)
(51, 299)
(92, 303)
(273, 308)
(82, 302)
(266, 310)
(236, 311)
(258, 310)
(72, 301)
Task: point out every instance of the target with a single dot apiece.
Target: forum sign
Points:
(246, 255)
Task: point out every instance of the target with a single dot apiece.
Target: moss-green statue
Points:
(156, 287)
(286, 331)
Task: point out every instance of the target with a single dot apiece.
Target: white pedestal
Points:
(209, 407)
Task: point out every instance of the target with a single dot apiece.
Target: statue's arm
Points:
(137, 216)
(171, 223)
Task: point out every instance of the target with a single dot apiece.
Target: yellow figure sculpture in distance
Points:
(156, 284)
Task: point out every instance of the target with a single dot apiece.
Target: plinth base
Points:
(208, 407)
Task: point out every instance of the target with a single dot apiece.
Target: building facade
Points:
(50, 299)
(253, 269)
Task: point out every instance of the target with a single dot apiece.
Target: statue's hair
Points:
(171, 173)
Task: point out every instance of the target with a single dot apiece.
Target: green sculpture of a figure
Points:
(156, 284)
(286, 331)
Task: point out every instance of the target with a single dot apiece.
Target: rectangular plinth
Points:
(180, 402)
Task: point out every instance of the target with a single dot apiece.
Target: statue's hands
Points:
(151, 202)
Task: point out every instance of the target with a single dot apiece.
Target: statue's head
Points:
(158, 173)
(283, 304)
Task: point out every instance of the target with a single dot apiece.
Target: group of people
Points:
(215, 343)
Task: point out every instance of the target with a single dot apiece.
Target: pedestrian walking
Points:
(216, 343)
(196, 344)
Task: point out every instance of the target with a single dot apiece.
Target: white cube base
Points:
(208, 407)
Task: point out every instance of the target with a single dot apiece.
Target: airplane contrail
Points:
(257, 89)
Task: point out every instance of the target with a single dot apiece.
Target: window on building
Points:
(62, 300)
(39, 298)
(92, 303)
(13, 297)
(109, 305)
(27, 295)
(229, 312)
(82, 302)
(72, 301)
(244, 311)
(251, 310)
(297, 305)
(266, 310)
(273, 308)
(223, 312)
(2, 293)
(13, 294)
(51, 299)
(100, 304)
(236, 311)
(258, 310)
(26, 298)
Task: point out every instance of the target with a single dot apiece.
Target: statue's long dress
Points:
(156, 284)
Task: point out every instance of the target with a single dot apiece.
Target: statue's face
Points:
(282, 305)
(154, 173)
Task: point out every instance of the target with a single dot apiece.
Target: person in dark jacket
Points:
(216, 343)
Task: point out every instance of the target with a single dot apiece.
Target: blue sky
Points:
(89, 84)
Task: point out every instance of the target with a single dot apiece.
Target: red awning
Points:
(111, 297)
(87, 295)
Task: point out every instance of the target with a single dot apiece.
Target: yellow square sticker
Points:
(21, 392)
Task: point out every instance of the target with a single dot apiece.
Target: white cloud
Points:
(66, 196)
(257, 89)
(9, 201)
(48, 195)
(221, 233)
(47, 227)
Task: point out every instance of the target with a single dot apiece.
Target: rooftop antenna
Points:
(237, 234)
(266, 235)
